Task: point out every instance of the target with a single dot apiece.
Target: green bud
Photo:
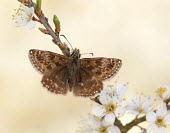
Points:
(41, 29)
(38, 4)
(35, 5)
(58, 43)
(56, 21)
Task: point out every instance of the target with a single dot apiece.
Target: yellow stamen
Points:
(160, 91)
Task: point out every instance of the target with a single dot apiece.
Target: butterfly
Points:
(63, 73)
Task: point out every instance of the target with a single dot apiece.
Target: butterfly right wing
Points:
(87, 84)
(100, 67)
(46, 61)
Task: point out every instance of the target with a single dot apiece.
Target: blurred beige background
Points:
(136, 31)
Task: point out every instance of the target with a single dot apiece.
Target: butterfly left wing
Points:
(46, 61)
(87, 84)
(55, 81)
(102, 68)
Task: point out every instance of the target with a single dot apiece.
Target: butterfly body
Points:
(72, 70)
(70, 73)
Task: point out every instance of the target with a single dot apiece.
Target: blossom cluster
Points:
(24, 16)
(112, 105)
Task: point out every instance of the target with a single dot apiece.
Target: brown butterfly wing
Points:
(88, 84)
(52, 66)
(55, 81)
(102, 68)
(46, 61)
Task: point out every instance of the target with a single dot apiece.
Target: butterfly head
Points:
(75, 54)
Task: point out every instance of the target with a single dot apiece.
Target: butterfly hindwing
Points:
(46, 61)
(102, 68)
(55, 82)
(88, 84)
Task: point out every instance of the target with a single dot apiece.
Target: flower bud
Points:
(38, 4)
(56, 22)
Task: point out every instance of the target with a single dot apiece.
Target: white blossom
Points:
(159, 120)
(143, 131)
(110, 108)
(140, 104)
(115, 90)
(95, 125)
(113, 129)
(163, 92)
(24, 17)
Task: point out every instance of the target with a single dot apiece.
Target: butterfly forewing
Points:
(52, 66)
(46, 61)
(102, 68)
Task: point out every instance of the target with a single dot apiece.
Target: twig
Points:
(51, 32)
(168, 107)
(167, 101)
(135, 122)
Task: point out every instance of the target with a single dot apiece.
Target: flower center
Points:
(160, 123)
(160, 91)
(29, 17)
(139, 109)
(102, 130)
(111, 107)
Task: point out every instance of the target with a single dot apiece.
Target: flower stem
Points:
(56, 38)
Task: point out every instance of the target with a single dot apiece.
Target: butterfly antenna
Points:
(67, 40)
(88, 53)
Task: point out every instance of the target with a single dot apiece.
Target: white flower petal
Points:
(163, 92)
(151, 117)
(133, 112)
(152, 128)
(166, 95)
(23, 16)
(105, 99)
(142, 131)
(113, 129)
(31, 24)
(167, 119)
(161, 130)
(134, 103)
(147, 104)
(121, 89)
(109, 119)
(116, 101)
(21, 23)
(90, 125)
(120, 111)
(98, 110)
(161, 110)
(32, 11)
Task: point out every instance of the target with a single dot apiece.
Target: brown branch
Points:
(168, 107)
(56, 38)
(167, 101)
(119, 124)
(135, 122)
